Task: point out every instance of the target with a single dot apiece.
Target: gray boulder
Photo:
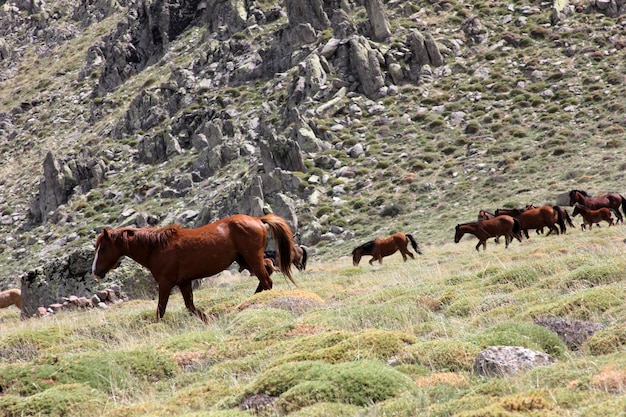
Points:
(509, 360)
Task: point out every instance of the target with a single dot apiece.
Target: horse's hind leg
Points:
(406, 252)
(186, 291)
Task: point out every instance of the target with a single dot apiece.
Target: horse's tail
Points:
(623, 205)
(568, 219)
(616, 212)
(282, 234)
(517, 230)
(559, 212)
(414, 244)
(305, 256)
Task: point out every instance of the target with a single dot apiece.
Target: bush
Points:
(361, 383)
(530, 336)
(443, 355)
(606, 341)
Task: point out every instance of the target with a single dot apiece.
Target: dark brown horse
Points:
(177, 256)
(537, 218)
(502, 225)
(299, 257)
(381, 247)
(592, 217)
(611, 200)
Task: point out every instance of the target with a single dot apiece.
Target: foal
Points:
(593, 216)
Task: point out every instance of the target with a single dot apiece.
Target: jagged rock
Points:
(610, 8)
(366, 62)
(343, 28)
(424, 49)
(509, 360)
(60, 178)
(474, 31)
(378, 20)
(5, 50)
(307, 11)
(144, 35)
(47, 284)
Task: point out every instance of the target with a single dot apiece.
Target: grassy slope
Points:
(429, 317)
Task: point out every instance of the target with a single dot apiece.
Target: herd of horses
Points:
(515, 223)
(177, 256)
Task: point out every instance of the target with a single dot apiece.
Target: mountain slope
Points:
(161, 112)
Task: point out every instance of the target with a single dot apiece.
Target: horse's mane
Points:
(466, 223)
(147, 236)
(518, 211)
(581, 192)
(366, 246)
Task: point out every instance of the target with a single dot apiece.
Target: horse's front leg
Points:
(187, 292)
(164, 296)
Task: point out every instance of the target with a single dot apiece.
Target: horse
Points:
(177, 256)
(593, 216)
(537, 218)
(485, 215)
(381, 247)
(566, 216)
(502, 225)
(11, 297)
(611, 200)
(268, 262)
(299, 257)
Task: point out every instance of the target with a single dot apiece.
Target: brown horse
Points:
(611, 200)
(502, 225)
(566, 216)
(485, 215)
(593, 216)
(299, 257)
(537, 218)
(11, 297)
(177, 256)
(381, 247)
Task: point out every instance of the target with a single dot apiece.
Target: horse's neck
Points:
(138, 253)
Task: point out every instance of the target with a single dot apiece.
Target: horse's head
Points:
(576, 210)
(458, 234)
(356, 256)
(107, 254)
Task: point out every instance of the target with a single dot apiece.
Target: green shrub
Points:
(67, 400)
(361, 383)
(606, 341)
(442, 355)
(530, 336)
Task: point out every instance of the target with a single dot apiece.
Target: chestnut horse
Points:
(566, 216)
(485, 215)
(502, 225)
(537, 218)
(176, 256)
(381, 247)
(611, 200)
(11, 297)
(593, 216)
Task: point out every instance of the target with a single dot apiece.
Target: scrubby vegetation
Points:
(397, 339)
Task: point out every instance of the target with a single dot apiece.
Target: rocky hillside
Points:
(351, 119)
